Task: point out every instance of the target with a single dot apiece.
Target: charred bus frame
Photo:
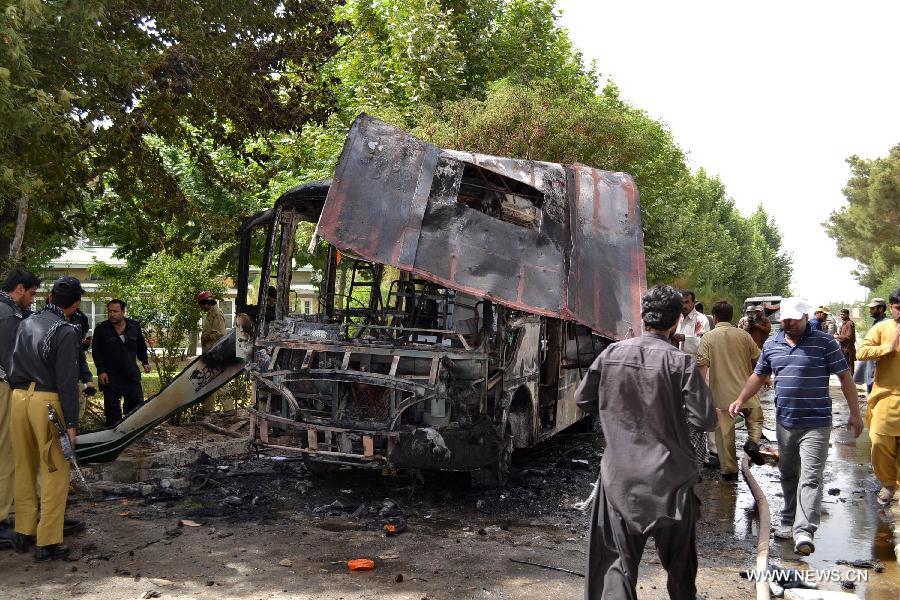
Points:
(462, 298)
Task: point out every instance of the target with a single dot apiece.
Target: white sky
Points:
(770, 96)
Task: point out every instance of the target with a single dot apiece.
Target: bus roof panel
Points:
(557, 240)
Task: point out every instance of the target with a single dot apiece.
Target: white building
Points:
(79, 261)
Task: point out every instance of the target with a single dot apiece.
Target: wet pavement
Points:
(853, 527)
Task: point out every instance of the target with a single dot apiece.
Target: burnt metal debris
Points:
(462, 298)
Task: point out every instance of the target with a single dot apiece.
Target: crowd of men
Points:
(682, 376)
(42, 366)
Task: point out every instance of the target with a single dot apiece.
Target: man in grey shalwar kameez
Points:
(646, 391)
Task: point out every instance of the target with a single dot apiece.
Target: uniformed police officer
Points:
(44, 370)
(16, 296)
(213, 330)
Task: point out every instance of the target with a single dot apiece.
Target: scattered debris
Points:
(399, 578)
(150, 594)
(176, 484)
(112, 490)
(858, 564)
(189, 523)
(232, 501)
(361, 564)
(395, 526)
(391, 508)
(434, 440)
(222, 430)
(239, 425)
(552, 568)
(286, 562)
(334, 506)
(834, 492)
(388, 556)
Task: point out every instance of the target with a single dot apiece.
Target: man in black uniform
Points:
(16, 296)
(117, 346)
(44, 371)
(80, 320)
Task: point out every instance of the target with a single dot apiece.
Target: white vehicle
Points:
(771, 308)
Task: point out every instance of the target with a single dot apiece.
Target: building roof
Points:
(85, 256)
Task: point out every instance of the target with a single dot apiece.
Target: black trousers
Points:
(614, 554)
(116, 390)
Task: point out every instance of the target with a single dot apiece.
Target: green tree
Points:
(868, 228)
(693, 233)
(395, 59)
(183, 121)
(777, 263)
(90, 91)
(403, 56)
(40, 148)
(161, 294)
(543, 122)
(731, 256)
(888, 285)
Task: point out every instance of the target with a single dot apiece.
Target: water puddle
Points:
(853, 527)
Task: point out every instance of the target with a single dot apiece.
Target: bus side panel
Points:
(606, 276)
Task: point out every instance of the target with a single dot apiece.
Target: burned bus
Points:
(462, 299)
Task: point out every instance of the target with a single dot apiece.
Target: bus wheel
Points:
(497, 474)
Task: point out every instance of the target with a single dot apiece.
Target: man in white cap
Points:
(802, 360)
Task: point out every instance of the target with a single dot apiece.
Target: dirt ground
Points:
(264, 527)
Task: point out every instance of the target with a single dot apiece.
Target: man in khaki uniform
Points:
(728, 354)
(16, 296)
(44, 372)
(213, 330)
(882, 344)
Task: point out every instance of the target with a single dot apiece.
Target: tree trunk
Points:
(193, 341)
(15, 250)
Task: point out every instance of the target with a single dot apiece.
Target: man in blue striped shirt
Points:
(802, 360)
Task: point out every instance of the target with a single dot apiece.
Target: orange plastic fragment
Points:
(361, 564)
(390, 528)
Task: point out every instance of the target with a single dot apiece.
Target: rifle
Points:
(67, 449)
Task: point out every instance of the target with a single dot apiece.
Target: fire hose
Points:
(765, 524)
